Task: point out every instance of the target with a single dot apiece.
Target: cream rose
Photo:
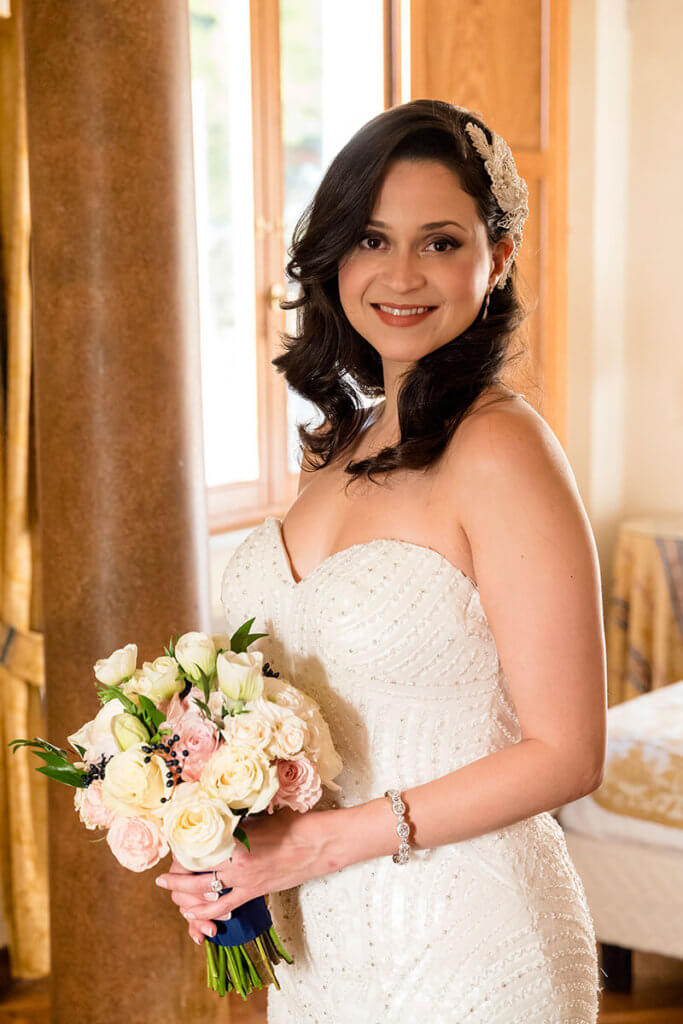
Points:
(281, 692)
(199, 828)
(163, 679)
(132, 787)
(239, 675)
(251, 730)
(196, 651)
(290, 736)
(268, 709)
(320, 748)
(241, 777)
(118, 666)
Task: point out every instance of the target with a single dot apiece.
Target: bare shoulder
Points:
(506, 440)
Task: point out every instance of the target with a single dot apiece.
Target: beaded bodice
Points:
(392, 641)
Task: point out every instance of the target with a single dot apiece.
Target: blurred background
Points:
(221, 164)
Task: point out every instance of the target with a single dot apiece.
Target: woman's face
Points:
(403, 263)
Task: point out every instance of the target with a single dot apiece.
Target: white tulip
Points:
(196, 651)
(239, 675)
(118, 666)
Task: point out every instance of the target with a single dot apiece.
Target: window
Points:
(277, 89)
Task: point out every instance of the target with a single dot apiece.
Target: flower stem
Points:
(278, 945)
(211, 966)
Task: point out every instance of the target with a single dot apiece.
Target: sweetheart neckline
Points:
(354, 547)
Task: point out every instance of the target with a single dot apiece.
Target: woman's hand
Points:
(183, 900)
(286, 849)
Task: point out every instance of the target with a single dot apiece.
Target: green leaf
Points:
(151, 714)
(204, 682)
(69, 775)
(241, 638)
(205, 707)
(241, 835)
(80, 749)
(56, 760)
(107, 693)
(40, 744)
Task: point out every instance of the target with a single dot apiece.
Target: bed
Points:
(626, 838)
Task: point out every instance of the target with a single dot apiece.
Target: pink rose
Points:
(300, 786)
(91, 810)
(176, 708)
(137, 843)
(201, 738)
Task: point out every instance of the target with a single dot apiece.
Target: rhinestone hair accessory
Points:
(508, 187)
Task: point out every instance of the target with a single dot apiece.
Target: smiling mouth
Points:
(399, 311)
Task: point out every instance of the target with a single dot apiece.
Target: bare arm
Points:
(538, 575)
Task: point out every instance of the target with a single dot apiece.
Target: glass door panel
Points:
(332, 82)
(223, 167)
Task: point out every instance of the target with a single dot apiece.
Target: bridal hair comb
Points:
(508, 187)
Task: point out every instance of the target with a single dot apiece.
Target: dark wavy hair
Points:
(328, 362)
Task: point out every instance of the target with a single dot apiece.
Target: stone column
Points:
(120, 458)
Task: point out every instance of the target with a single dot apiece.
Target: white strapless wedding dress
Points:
(392, 641)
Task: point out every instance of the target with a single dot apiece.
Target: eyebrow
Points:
(425, 227)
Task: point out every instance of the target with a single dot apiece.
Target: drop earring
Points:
(486, 305)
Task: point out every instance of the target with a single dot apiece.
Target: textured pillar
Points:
(120, 466)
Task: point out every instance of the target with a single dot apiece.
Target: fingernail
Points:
(188, 914)
(207, 929)
(210, 895)
(197, 939)
(161, 881)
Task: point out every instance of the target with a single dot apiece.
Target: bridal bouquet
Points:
(180, 753)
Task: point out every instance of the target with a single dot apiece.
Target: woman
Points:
(435, 587)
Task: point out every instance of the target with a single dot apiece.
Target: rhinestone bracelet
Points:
(402, 828)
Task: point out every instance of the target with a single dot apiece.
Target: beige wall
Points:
(625, 429)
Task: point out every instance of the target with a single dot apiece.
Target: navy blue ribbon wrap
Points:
(246, 924)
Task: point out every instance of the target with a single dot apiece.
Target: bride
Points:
(435, 587)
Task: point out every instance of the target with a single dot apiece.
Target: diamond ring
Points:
(216, 884)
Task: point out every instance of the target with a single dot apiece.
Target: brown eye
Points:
(364, 238)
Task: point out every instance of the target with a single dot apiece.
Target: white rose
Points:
(118, 666)
(165, 678)
(97, 736)
(268, 709)
(239, 675)
(251, 730)
(289, 738)
(196, 651)
(241, 777)
(320, 747)
(132, 787)
(199, 828)
(283, 693)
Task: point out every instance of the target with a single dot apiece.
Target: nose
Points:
(402, 272)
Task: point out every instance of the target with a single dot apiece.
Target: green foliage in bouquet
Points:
(57, 764)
